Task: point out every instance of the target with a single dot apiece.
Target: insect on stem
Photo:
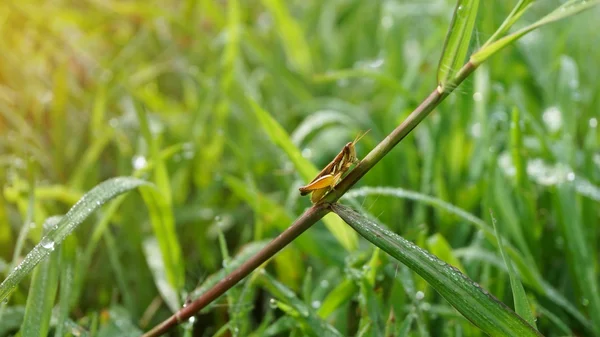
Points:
(326, 180)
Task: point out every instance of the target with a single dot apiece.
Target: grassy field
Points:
(216, 112)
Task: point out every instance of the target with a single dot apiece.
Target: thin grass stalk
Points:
(317, 211)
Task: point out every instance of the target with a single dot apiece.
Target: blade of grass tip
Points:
(564, 11)
(457, 41)
(473, 302)
(68, 260)
(280, 137)
(522, 306)
(91, 201)
(42, 292)
(518, 11)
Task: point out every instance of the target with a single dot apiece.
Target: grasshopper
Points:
(332, 173)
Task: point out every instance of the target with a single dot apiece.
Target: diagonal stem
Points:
(304, 222)
(319, 210)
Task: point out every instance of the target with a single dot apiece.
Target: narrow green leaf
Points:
(280, 137)
(457, 41)
(156, 263)
(566, 10)
(527, 271)
(91, 201)
(163, 226)
(159, 203)
(473, 302)
(68, 261)
(518, 11)
(42, 292)
(519, 296)
(342, 293)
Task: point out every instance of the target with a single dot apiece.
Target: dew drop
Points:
(419, 295)
(47, 244)
(139, 162)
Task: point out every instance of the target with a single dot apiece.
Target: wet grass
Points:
(159, 91)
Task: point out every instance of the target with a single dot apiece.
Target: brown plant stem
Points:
(317, 211)
(304, 222)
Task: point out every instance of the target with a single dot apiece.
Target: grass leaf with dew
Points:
(42, 292)
(457, 41)
(530, 274)
(91, 201)
(474, 303)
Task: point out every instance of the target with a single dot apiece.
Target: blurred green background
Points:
(95, 89)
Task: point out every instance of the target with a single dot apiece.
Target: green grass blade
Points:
(163, 226)
(42, 292)
(457, 40)
(159, 203)
(518, 11)
(342, 293)
(566, 10)
(91, 201)
(156, 263)
(281, 138)
(68, 260)
(520, 298)
(474, 303)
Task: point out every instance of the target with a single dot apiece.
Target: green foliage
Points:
(159, 92)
